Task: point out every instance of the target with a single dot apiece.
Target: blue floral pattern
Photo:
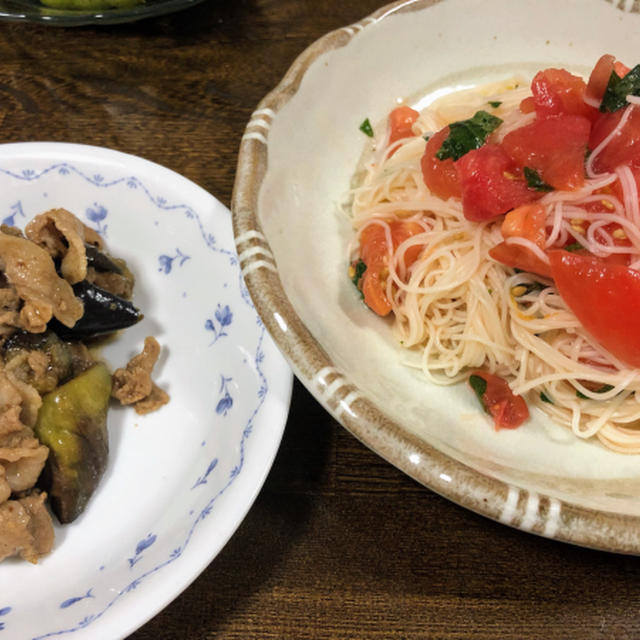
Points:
(226, 401)
(96, 214)
(223, 317)
(166, 261)
(3, 612)
(16, 212)
(213, 479)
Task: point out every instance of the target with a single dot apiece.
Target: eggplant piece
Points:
(104, 312)
(100, 261)
(60, 357)
(72, 422)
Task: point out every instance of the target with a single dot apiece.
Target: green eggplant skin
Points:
(72, 422)
(91, 4)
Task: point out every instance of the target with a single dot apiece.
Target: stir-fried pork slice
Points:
(64, 237)
(23, 458)
(31, 271)
(5, 489)
(25, 528)
(133, 384)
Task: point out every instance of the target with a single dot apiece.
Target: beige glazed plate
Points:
(297, 158)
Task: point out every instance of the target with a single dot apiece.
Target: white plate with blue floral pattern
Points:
(180, 480)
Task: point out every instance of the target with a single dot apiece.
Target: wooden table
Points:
(339, 544)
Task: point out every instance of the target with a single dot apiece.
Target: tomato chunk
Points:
(555, 147)
(528, 222)
(374, 252)
(401, 121)
(599, 78)
(624, 148)
(507, 409)
(605, 298)
(490, 184)
(440, 176)
(557, 92)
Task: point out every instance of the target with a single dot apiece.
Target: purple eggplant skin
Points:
(100, 261)
(104, 313)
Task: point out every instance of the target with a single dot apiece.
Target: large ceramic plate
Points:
(179, 481)
(297, 158)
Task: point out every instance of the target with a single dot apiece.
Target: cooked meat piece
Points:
(31, 401)
(5, 489)
(10, 405)
(32, 273)
(157, 398)
(11, 231)
(133, 384)
(23, 458)
(64, 237)
(25, 528)
(9, 307)
(120, 284)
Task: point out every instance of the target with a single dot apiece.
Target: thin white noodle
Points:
(456, 309)
(614, 132)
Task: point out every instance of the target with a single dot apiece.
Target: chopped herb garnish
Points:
(495, 103)
(603, 389)
(615, 95)
(358, 271)
(545, 398)
(479, 385)
(426, 136)
(466, 135)
(366, 128)
(534, 181)
(574, 246)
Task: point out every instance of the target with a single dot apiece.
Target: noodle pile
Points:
(456, 309)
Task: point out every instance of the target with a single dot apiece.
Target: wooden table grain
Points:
(339, 544)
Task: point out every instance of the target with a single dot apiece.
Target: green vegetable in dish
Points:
(534, 181)
(72, 422)
(366, 128)
(466, 135)
(479, 386)
(86, 5)
(615, 95)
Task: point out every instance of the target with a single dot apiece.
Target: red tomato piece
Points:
(528, 105)
(374, 253)
(620, 68)
(624, 148)
(599, 78)
(529, 222)
(555, 147)
(401, 121)
(557, 92)
(490, 184)
(440, 176)
(506, 408)
(605, 298)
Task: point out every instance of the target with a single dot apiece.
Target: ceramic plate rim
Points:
(488, 496)
(269, 425)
